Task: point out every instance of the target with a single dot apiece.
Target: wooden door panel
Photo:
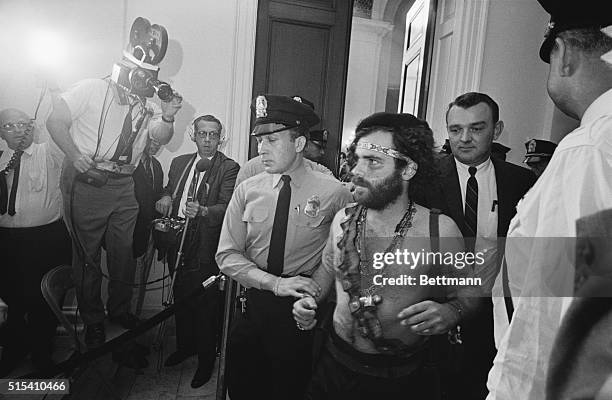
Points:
(302, 49)
(294, 55)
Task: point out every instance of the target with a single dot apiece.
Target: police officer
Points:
(315, 147)
(576, 184)
(273, 234)
(538, 155)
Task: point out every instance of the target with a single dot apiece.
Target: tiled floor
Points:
(104, 380)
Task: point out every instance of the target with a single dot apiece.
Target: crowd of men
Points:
(302, 243)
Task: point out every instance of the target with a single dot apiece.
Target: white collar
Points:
(598, 108)
(479, 168)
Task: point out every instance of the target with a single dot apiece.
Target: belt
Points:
(379, 365)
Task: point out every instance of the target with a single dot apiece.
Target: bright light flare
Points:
(47, 49)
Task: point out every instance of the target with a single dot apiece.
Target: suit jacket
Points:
(146, 196)
(512, 183)
(205, 232)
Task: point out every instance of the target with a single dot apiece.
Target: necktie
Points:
(471, 209)
(5, 199)
(148, 172)
(123, 152)
(276, 254)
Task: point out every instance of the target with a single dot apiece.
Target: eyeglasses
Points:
(17, 126)
(208, 135)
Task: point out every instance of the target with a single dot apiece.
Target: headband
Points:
(387, 151)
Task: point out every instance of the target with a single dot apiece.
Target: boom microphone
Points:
(203, 165)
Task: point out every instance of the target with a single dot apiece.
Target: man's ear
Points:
(300, 143)
(498, 129)
(409, 171)
(568, 57)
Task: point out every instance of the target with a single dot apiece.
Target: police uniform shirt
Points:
(576, 183)
(247, 228)
(486, 234)
(93, 105)
(38, 200)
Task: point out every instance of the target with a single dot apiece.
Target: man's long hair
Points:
(411, 137)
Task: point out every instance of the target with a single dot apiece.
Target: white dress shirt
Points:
(94, 105)
(486, 235)
(38, 200)
(540, 253)
(190, 177)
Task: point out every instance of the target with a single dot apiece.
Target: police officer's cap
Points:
(539, 148)
(497, 147)
(288, 111)
(566, 15)
(319, 137)
(446, 148)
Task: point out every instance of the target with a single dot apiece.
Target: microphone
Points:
(203, 165)
(200, 167)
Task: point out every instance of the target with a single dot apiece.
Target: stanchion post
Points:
(228, 314)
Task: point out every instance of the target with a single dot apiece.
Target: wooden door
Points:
(302, 49)
(416, 58)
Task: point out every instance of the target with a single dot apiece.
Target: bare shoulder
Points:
(448, 227)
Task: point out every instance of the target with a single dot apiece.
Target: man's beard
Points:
(380, 195)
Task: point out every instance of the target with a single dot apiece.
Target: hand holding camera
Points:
(164, 206)
(171, 107)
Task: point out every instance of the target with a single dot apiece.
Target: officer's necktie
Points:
(471, 209)
(123, 152)
(276, 254)
(8, 201)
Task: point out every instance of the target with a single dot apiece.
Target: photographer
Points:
(102, 126)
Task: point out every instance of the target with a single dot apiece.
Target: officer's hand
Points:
(297, 286)
(429, 318)
(83, 163)
(304, 313)
(164, 205)
(192, 209)
(170, 108)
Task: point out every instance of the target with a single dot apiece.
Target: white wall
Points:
(366, 86)
(514, 75)
(200, 62)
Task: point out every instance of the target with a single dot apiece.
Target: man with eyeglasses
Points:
(196, 322)
(33, 238)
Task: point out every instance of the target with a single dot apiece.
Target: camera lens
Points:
(164, 91)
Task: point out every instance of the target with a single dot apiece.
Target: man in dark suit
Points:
(148, 186)
(196, 323)
(480, 194)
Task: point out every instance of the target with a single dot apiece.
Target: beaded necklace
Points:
(365, 263)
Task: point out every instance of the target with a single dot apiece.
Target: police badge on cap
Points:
(281, 110)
